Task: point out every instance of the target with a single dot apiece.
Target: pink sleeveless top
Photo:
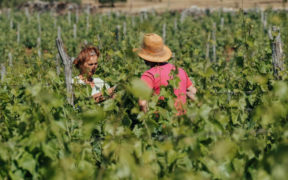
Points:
(159, 75)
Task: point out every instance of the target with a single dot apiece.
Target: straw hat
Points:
(153, 49)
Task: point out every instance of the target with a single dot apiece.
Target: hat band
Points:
(160, 53)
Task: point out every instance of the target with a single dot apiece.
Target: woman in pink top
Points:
(156, 55)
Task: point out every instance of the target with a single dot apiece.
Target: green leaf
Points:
(140, 89)
(27, 162)
(97, 115)
(49, 150)
(109, 105)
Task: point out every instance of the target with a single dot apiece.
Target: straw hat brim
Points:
(162, 56)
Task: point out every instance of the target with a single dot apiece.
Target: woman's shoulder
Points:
(164, 67)
(98, 80)
(100, 83)
(149, 72)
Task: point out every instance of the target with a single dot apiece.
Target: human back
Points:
(160, 75)
(156, 54)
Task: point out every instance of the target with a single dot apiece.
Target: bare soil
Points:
(163, 5)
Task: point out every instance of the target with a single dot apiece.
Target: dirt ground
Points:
(162, 5)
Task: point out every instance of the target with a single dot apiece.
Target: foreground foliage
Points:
(237, 128)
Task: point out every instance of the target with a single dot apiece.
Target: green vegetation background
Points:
(237, 128)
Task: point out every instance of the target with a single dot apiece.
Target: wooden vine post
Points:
(88, 10)
(51, 12)
(8, 13)
(10, 59)
(39, 23)
(214, 42)
(69, 18)
(77, 15)
(117, 14)
(175, 25)
(277, 50)
(11, 24)
(75, 31)
(183, 16)
(264, 20)
(99, 42)
(141, 18)
(117, 32)
(57, 65)
(39, 47)
(229, 93)
(124, 29)
(27, 14)
(145, 15)
(109, 15)
(59, 32)
(222, 23)
(87, 19)
(207, 56)
(164, 32)
(100, 19)
(133, 21)
(87, 24)
(18, 34)
(55, 22)
(85, 42)
(67, 61)
(3, 72)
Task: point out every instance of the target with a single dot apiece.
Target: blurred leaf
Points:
(27, 162)
(139, 89)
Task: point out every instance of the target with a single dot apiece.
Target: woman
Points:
(87, 63)
(156, 55)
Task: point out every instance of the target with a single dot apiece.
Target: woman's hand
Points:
(98, 97)
(191, 92)
(143, 105)
(111, 91)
